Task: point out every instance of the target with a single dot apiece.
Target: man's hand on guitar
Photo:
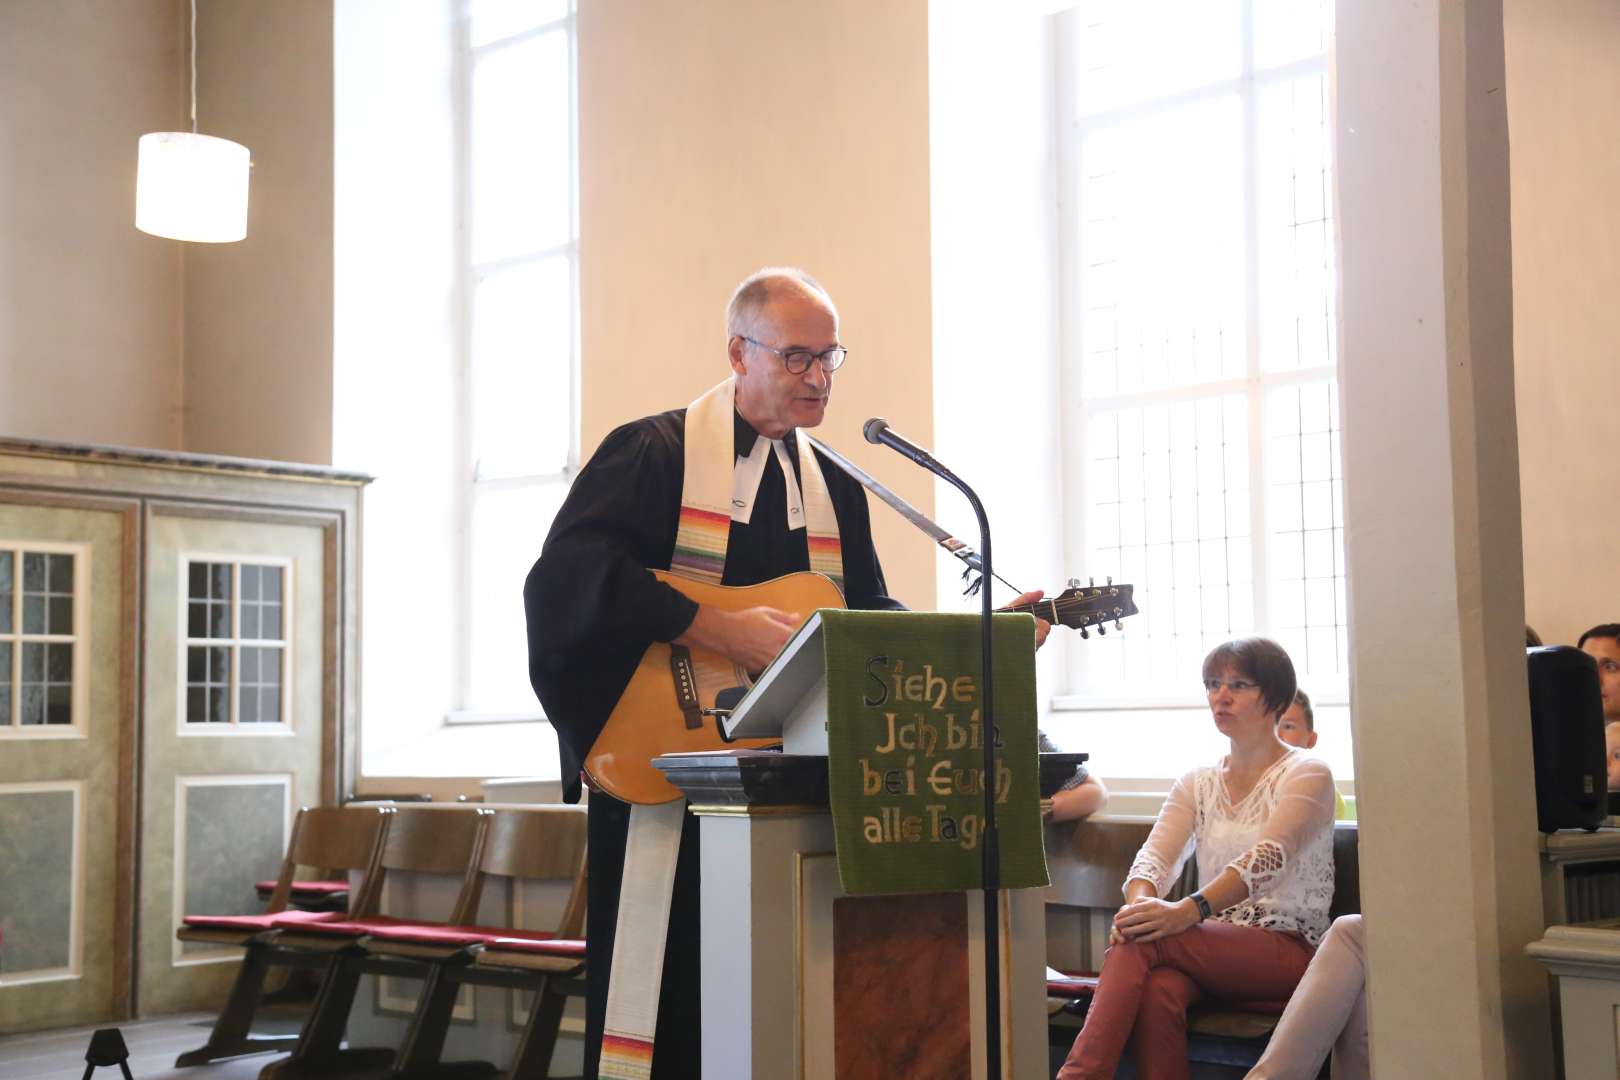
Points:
(1042, 626)
(751, 637)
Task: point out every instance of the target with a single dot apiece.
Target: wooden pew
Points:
(327, 839)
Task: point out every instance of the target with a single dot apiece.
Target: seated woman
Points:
(1261, 824)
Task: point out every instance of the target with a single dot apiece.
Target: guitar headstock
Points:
(1082, 606)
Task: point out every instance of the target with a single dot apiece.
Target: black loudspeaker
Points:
(1566, 731)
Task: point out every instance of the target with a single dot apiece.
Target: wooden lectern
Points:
(800, 981)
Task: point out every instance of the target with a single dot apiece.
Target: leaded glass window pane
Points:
(197, 581)
(33, 704)
(5, 683)
(270, 622)
(258, 699)
(33, 662)
(59, 574)
(59, 615)
(6, 594)
(33, 612)
(219, 620)
(208, 678)
(59, 704)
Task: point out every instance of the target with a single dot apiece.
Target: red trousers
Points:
(1143, 994)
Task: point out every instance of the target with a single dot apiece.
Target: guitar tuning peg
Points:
(1084, 633)
(1074, 583)
(1102, 631)
(1092, 582)
(1117, 625)
(1110, 579)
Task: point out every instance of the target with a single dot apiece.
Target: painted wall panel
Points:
(37, 901)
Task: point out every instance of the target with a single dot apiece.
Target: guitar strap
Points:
(717, 488)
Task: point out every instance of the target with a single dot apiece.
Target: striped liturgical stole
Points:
(718, 487)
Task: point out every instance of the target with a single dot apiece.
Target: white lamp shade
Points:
(192, 187)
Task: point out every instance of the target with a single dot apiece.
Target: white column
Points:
(1443, 766)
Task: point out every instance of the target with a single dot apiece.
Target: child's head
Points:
(1611, 739)
(1297, 725)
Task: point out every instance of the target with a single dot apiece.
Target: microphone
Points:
(878, 431)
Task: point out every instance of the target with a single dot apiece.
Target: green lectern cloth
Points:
(904, 757)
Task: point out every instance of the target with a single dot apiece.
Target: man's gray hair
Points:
(757, 289)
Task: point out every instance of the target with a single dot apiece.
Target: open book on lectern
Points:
(789, 700)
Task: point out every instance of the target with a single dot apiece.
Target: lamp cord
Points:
(194, 67)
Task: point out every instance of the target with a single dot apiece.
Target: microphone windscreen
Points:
(874, 428)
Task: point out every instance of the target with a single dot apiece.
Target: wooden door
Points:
(239, 724)
(67, 730)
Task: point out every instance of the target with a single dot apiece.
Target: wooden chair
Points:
(543, 843)
(445, 841)
(330, 839)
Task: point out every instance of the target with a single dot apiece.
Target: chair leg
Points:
(539, 1041)
(232, 1033)
(320, 1042)
(424, 1039)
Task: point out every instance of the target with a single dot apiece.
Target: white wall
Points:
(1563, 93)
(719, 137)
(257, 314)
(89, 307)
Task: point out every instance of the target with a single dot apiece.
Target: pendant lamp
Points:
(190, 186)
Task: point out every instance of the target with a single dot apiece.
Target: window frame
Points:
(469, 484)
(1255, 383)
(234, 728)
(79, 694)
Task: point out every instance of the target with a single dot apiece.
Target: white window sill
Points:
(481, 750)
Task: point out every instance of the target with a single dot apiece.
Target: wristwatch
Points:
(1204, 910)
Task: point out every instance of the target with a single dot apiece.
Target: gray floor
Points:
(153, 1046)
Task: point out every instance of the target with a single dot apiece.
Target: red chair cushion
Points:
(1072, 986)
(337, 925)
(307, 888)
(541, 946)
(1264, 1008)
(280, 920)
(437, 934)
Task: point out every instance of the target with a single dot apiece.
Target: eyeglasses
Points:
(797, 361)
(1237, 686)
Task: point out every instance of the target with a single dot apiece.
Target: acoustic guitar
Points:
(673, 702)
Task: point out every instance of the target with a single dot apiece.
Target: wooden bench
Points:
(1088, 861)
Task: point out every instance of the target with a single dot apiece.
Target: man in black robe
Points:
(593, 608)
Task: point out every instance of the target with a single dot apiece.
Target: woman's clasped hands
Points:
(1148, 918)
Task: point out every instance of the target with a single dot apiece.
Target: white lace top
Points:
(1279, 839)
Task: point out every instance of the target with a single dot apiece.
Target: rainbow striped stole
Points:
(705, 522)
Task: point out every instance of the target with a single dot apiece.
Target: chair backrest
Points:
(1346, 869)
(422, 840)
(331, 839)
(538, 843)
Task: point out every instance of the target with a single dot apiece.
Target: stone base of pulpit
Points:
(801, 982)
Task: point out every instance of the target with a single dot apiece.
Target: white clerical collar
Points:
(750, 470)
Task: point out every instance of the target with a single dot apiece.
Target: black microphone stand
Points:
(990, 843)
(877, 430)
